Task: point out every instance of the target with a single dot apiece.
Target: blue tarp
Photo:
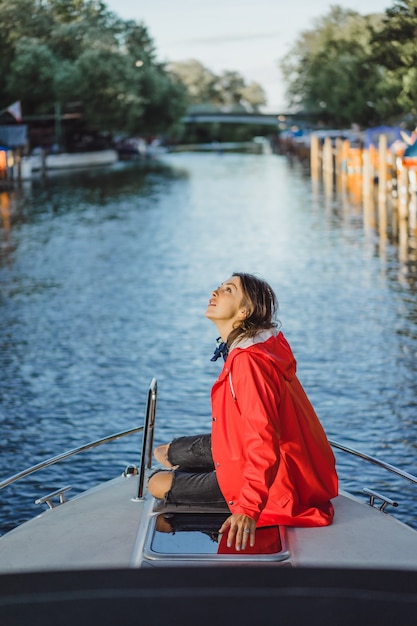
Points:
(14, 136)
(392, 133)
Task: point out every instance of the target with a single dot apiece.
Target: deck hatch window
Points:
(195, 536)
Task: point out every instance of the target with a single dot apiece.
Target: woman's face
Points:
(225, 304)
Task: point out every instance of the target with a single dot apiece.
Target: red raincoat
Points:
(272, 458)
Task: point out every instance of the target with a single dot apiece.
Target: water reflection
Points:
(179, 534)
(377, 215)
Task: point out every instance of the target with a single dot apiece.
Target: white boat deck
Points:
(106, 528)
(360, 537)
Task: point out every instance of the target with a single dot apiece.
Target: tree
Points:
(168, 101)
(254, 96)
(199, 81)
(31, 73)
(57, 52)
(137, 43)
(229, 86)
(394, 48)
(330, 71)
(61, 51)
(18, 19)
(102, 90)
(227, 89)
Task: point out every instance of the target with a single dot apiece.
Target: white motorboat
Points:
(76, 160)
(115, 548)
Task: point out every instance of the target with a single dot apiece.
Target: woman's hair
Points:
(261, 303)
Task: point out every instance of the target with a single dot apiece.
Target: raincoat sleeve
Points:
(257, 394)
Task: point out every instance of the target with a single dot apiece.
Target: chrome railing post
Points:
(148, 436)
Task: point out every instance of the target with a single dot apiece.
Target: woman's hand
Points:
(241, 530)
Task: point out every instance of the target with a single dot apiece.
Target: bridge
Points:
(263, 119)
(278, 120)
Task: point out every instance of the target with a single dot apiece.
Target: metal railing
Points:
(147, 448)
(146, 443)
(66, 455)
(375, 461)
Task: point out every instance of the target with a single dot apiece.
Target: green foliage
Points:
(395, 49)
(356, 69)
(66, 51)
(228, 89)
(34, 65)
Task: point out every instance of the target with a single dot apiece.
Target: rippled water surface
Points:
(104, 280)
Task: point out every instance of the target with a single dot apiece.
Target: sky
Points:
(247, 36)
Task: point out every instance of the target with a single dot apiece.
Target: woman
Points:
(268, 457)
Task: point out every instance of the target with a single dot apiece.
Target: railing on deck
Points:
(146, 443)
(147, 448)
(375, 495)
(375, 461)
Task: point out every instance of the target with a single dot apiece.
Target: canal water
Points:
(104, 280)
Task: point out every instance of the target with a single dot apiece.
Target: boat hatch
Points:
(188, 536)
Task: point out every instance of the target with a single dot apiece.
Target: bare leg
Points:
(161, 455)
(160, 483)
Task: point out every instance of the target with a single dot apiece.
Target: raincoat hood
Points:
(271, 345)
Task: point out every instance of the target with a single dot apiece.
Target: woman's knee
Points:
(160, 483)
(161, 454)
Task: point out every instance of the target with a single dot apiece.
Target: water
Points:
(104, 280)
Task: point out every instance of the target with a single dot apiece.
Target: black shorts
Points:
(195, 480)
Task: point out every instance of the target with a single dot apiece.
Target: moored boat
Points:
(69, 160)
(118, 527)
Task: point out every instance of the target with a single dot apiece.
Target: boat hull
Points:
(207, 596)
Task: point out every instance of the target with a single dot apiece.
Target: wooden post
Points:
(366, 169)
(402, 192)
(412, 214)
(402, 177)
(373, 161)
(3, 165)
(328, 155)
(314, 156)
(355, 175)
(403, 240)
(5, 210)
(366, 189)
(339, 164)
(382, 185)
(344, 164)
